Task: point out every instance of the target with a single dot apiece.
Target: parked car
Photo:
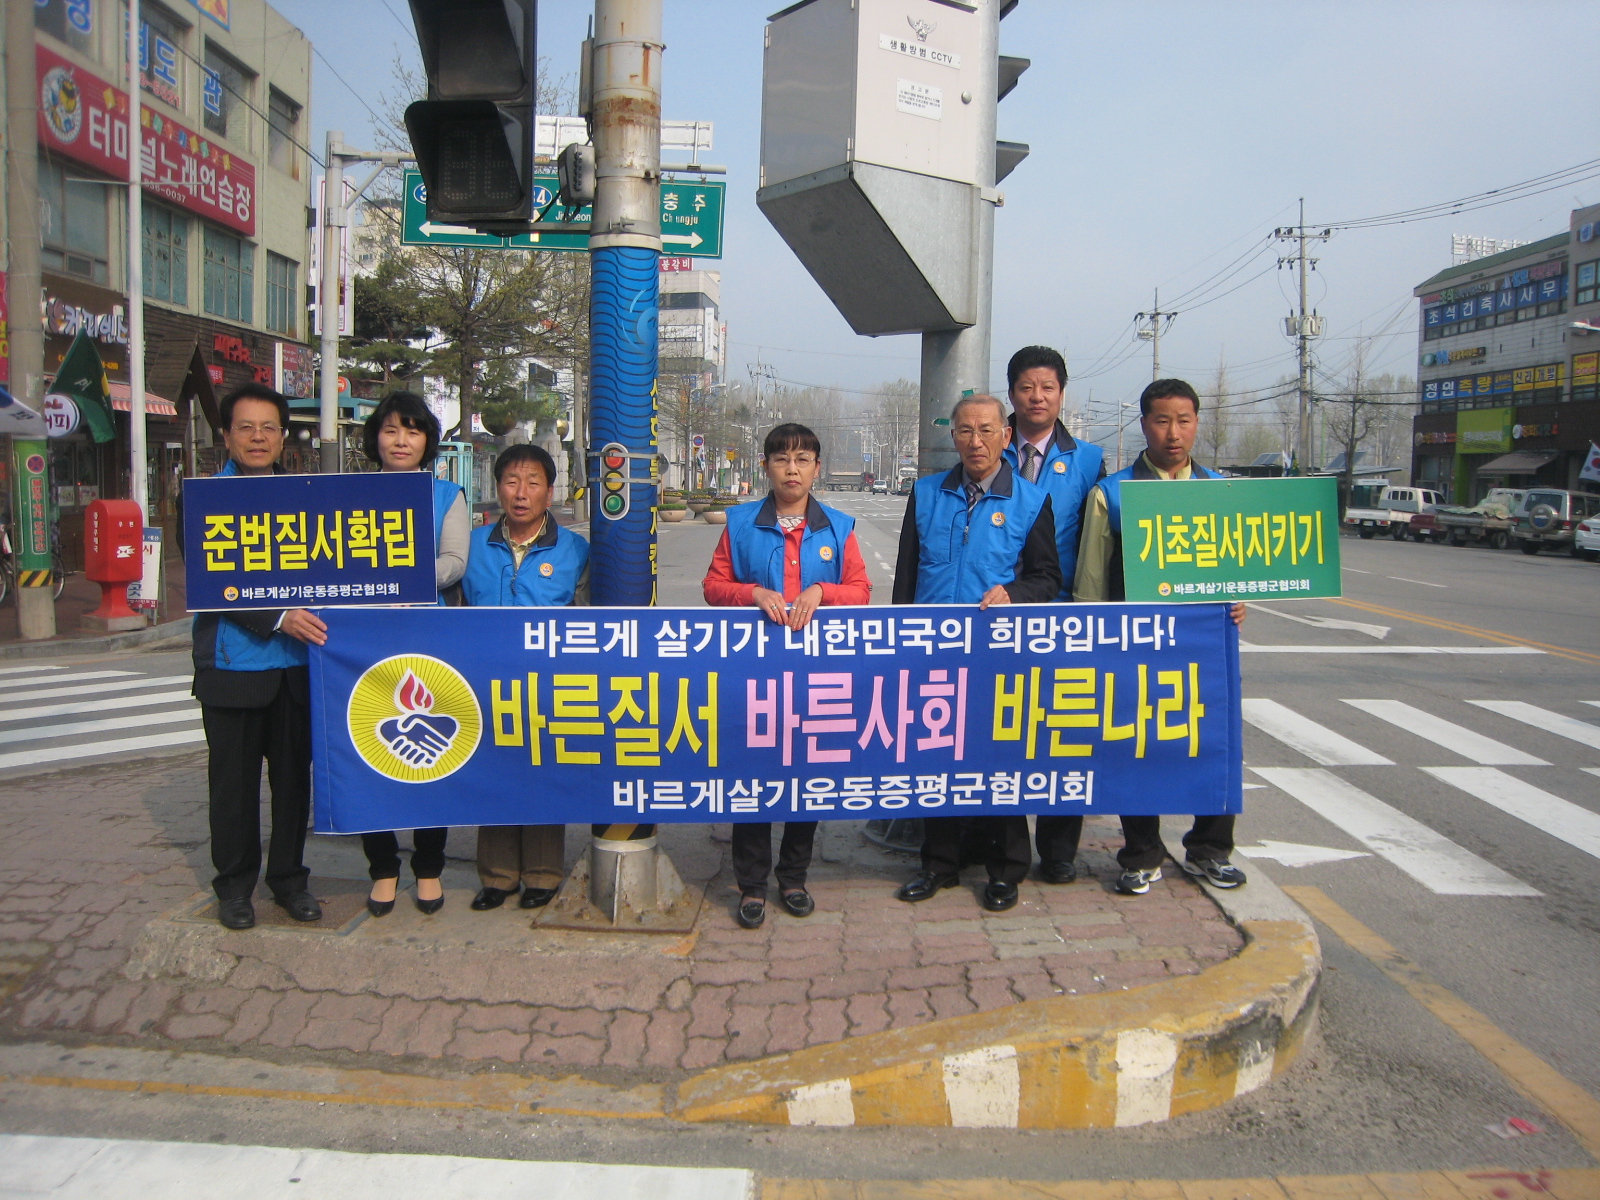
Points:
(1375, 509)
(1586, 540)
(1488, 521)
(1548, 517)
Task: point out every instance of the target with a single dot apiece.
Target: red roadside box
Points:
(113, 555)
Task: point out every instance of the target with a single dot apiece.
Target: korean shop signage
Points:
(1230, 539)
(1483, 430)
(292, 541)
(85, 119)
(437, 716)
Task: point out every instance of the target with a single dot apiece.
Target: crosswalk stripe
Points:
(1430, 858)
(79, 676)
(1572, 824)
(1543, 718)
(30, 758)
(40, 733)
(1317, 742)
(25, 670)
(89, 689)
(149, 700)
(1465, 742)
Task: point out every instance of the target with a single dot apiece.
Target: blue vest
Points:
(1111, 488)
(960, 556)
(444, 495)
(233, 647)
(756, 543)
(548, 576)
(1071, 468)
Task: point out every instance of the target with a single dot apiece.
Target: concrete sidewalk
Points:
(106, 933)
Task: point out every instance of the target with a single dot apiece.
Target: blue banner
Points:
(508, 716)
(288, 541)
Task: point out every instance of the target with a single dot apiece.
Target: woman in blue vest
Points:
(786, 555)
(402, 435)
(525, 559)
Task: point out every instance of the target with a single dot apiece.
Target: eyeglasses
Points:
(967, 433)
(799, 460)
(251, 430)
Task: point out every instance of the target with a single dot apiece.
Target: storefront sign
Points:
(1483, 430)
(70, 306)
(1437, 438)
(1585, 365)
(1206, 539)
(292, 367)
(503, 716)
(285, 541)
(85, 119)
(61, 415)
(1518, 432)
(31, 504)
(5, 334)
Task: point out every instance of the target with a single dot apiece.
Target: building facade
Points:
(224, 94)
(1507, 367)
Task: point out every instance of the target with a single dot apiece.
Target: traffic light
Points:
(615, 499)
(473, 135)
(1008, 154)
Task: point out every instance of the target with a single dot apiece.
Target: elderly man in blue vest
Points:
(254, 688)
(1169, 415)
(980, 535)
(1043, 452)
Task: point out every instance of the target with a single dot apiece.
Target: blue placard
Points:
(506, 716)
(287, 541)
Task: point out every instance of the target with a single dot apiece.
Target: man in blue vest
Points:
(1043, 452)
(976, 535)
(254, 688)
(1169, 415)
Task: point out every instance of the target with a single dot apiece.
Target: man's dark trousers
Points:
(752, 853)
(1010, 856)
(1142, 850)
(277, 728)
(1057, 838)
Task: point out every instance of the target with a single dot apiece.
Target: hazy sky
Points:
(1168, 140)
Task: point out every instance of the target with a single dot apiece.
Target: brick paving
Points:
(90, 858)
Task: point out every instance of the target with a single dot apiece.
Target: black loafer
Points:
(236, 912)
(537, 897)
(302, 906)
(1057, 871)
(924, 886)
(998, 897)
(489, 898)
(752, 910)
(798, 903)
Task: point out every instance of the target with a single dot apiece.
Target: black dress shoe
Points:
(924, 886)
(236, 912)
(752, 909)
(997, 896)
(302, 906)
(537, 897)
(489, 897)
(798, 903)
(1058, 871)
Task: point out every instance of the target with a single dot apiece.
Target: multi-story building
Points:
(693, 360)
(221, 134)
(1506, 370)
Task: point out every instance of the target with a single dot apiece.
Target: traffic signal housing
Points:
(615, 494)
(473, 135)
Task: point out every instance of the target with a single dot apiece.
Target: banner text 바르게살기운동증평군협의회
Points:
(508, 716)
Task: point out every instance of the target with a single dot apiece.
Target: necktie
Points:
(1032, 460)
(974, 494)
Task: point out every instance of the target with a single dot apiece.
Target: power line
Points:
(1536, 186)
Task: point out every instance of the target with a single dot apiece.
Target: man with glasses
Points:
(251, 679)
(1043, 452)
(976, 535)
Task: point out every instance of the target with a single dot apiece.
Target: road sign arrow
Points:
(432, 230)
(692, 239)
(1293, 854)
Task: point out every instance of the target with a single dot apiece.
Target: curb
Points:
(170, 631)
(1070, 1062)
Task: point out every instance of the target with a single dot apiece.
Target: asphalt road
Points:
(1437, 783)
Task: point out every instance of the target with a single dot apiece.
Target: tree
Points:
(1216, 426)
(389, 323)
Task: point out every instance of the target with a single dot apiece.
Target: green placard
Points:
(30, 467)
(1230, 539)
(1483, 431)
(691, 221)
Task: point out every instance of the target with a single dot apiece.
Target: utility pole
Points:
(36, 603)
(138, 450)
(1158, 322)
(1302, 327)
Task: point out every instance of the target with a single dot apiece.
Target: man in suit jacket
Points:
(254, 688)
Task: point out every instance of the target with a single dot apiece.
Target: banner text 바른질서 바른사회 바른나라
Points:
(510, 716)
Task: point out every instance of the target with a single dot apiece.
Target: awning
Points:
(1519, 462)
(154, 405)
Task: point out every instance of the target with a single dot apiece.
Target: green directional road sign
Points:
(691, 221)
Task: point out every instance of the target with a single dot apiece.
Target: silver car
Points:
(1549, 516)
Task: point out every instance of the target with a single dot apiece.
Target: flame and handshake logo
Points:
(418, 737)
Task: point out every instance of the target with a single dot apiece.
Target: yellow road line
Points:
(1508, 639)
(1528, 1073)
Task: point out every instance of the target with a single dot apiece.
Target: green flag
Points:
(83, 377)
